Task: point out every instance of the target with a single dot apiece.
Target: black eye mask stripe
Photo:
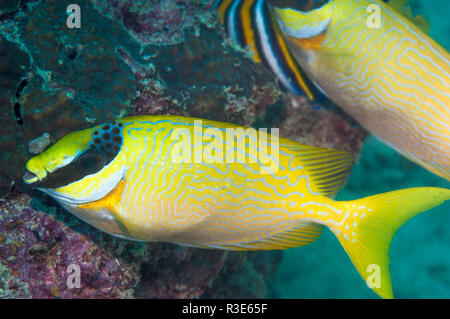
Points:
(105, 144)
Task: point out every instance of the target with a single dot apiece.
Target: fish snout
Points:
(30, 178)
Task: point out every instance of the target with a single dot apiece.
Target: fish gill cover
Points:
(129, 58)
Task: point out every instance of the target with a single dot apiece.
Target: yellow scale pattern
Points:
(394, 79)
(218, 203)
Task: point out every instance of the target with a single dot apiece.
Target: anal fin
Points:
(301, 235)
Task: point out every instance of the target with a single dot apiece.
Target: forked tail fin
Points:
(372, 221)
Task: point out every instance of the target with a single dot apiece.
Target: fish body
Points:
(381, 69)
(250, 23)
(215, 185)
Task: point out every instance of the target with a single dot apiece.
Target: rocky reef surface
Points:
(38, 251)
(128, 58)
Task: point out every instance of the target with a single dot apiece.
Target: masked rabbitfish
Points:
(214, 185)
(382, 69)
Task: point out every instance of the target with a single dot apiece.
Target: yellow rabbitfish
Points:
(214, 185)
(382, 69)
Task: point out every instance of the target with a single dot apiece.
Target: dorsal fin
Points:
(397, 5)
(401, 7)
(328, 168)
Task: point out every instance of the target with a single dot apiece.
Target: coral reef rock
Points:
(128, 58)
(42, 253)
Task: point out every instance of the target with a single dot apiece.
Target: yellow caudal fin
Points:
(370, 225)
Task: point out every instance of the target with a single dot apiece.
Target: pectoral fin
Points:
(111, 200)
(105, 213)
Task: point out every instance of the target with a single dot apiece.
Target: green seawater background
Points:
(420, 251)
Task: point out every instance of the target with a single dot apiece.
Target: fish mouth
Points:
(30, 178)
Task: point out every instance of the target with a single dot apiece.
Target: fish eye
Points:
(105, 144)
(90, 162)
